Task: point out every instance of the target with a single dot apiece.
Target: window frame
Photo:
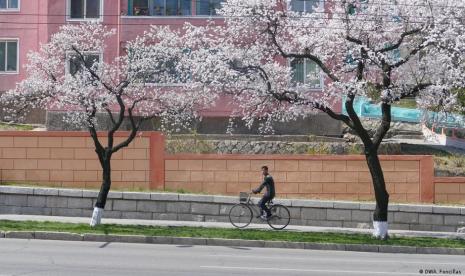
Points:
(71, 53)
(164, 84)
(205, 15)
(321, 78)
(7, 39)
(355, 11)
(68, 12)
(289, 6)
(149, 5)
(7, 9)
(160, 84)
(193, 14)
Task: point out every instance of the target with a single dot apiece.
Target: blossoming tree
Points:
(269, 55)
(68, 74)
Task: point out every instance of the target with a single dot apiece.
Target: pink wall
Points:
(38, 20)
(22, 25)
(35, 23)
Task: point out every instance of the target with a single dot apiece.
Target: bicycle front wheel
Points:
(240, 215)
(280, 217)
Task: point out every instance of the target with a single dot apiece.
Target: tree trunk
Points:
(103, 194)
(380, 215)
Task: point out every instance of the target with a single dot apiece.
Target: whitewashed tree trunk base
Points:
(96, 217)
(380, 230)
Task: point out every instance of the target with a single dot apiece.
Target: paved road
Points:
(37, 257)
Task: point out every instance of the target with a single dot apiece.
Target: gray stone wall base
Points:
(209, 208)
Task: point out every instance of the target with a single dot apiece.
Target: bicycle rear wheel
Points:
(240, 215)
(280, 217)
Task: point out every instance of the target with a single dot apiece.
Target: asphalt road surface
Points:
(36, 257)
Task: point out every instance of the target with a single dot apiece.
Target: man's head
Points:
(265, 170)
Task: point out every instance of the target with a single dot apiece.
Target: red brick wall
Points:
(68, 159)
(302, 176)
(449, 190)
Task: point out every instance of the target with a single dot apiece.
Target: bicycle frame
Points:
(255, 209)
(254, 212)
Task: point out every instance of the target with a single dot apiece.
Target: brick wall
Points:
(449, 190)
(68, 159)
(320, 177)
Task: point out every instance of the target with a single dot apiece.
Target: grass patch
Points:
(200, 232)
(5, 126)
(450, 163)
(406, 103)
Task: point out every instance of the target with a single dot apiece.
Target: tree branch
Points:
(93, 133)
(309, 56)
(110, 114)
(411, 54)
(354, 40)
(336, 116)
(117, 125)
(92, 72)
(384, 126)
(358, 127)
(399, 42)
(415, 90)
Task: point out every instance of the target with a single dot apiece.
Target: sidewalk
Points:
(398, 233)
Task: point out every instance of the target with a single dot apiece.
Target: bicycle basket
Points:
(243, 196)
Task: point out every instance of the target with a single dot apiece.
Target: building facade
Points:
(25, 24)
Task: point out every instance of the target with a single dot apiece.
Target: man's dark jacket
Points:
(267, 183)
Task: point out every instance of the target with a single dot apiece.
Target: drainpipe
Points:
(118, 30)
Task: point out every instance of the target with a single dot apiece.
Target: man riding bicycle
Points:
(267, 183)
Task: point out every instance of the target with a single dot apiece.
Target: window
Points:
(305, 6)
(84, 9)
(207, 7)
(8, 56)
(306, 72)
(9, 4)
(394, 55)
(75, 64)
(168, 72)
(160, 7)
(353, 9)
(165, 73)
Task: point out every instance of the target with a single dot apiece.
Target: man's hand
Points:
(255, 191)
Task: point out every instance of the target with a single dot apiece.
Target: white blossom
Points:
(97, 87)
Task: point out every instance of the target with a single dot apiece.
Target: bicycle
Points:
(242, 213)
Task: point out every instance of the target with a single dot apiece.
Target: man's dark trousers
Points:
(262, 204)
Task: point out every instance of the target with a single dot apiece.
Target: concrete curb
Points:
(42, 235)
